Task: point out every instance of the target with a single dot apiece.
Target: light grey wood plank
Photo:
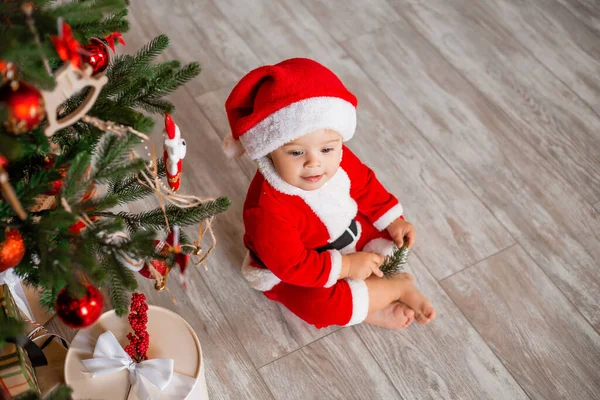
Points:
(550, 117)
(445, 359)
(454, 229)
(347, 18)
(556, 38)
(539, 336)
(588, 11)
(197, 34)
(336, 367)
(553, 222)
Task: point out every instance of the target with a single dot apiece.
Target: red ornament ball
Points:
(159, 265)
(79, 312)
(98, 56)
(12, 249)
(25, 106)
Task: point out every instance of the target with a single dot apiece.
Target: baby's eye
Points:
(327, 149)
(295, 153)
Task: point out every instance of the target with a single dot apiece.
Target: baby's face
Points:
(309, 161)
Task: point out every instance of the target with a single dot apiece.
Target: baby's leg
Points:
(384, 308)
(401, 288)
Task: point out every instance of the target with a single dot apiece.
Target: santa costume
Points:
(295, 238)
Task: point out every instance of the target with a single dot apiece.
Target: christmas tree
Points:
(69, 156)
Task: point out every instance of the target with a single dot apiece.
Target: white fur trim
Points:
(379, 246)
(360, 301)
(390, 216)
(332, 202)
(336, 268)
(260, 279)
(232, 148)
(299, 119)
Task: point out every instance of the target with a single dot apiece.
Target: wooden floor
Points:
(483, 117)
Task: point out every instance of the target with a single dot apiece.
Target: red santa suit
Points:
(296, 238)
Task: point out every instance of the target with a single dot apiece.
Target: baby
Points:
(318, 222)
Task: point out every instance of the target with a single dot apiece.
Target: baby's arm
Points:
(276, 240)
(372, 198)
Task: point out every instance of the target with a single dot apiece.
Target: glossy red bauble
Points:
(25, 106)
(79, 312)
(97, 55)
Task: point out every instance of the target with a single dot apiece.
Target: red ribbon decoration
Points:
(172, 245)
(111, 40)
(67, 47)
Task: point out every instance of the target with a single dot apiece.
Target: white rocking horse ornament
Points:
(70, 80)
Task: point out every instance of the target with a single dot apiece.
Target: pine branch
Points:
(123, 65)
(84, 12)
(108, 25)
(165, 85)
(113, 156)
(72, 184)
(10, 328)
(157, 106)
(177, 216)
(129, 189)
(60, 393)
(120, 171)
(395, 263)
(118, 291)
(111, 111)
(48, 298)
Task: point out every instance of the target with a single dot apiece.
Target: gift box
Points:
(40, 314)
(16, 370)
(172, 342)
(27, 298)
(54, 348)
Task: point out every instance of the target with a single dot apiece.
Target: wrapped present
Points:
(39, 313)
(27, 298)
(16, 369)
(54, 348)
(98, 367)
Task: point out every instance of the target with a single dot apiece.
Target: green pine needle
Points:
(10, 328)
(394, 263)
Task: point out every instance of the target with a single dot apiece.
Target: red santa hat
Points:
(275, 104)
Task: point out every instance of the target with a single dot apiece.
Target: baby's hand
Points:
(361, 265)
(400, 229)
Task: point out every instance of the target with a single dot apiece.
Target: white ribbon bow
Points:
(151, 379)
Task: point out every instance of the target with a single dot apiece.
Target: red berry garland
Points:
(139, 340)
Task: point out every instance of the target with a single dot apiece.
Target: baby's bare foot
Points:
(411, 296)
(394, 316)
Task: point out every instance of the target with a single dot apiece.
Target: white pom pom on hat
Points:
(232, 148)
(275, 104)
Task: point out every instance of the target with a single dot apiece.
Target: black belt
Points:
(346, 239)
